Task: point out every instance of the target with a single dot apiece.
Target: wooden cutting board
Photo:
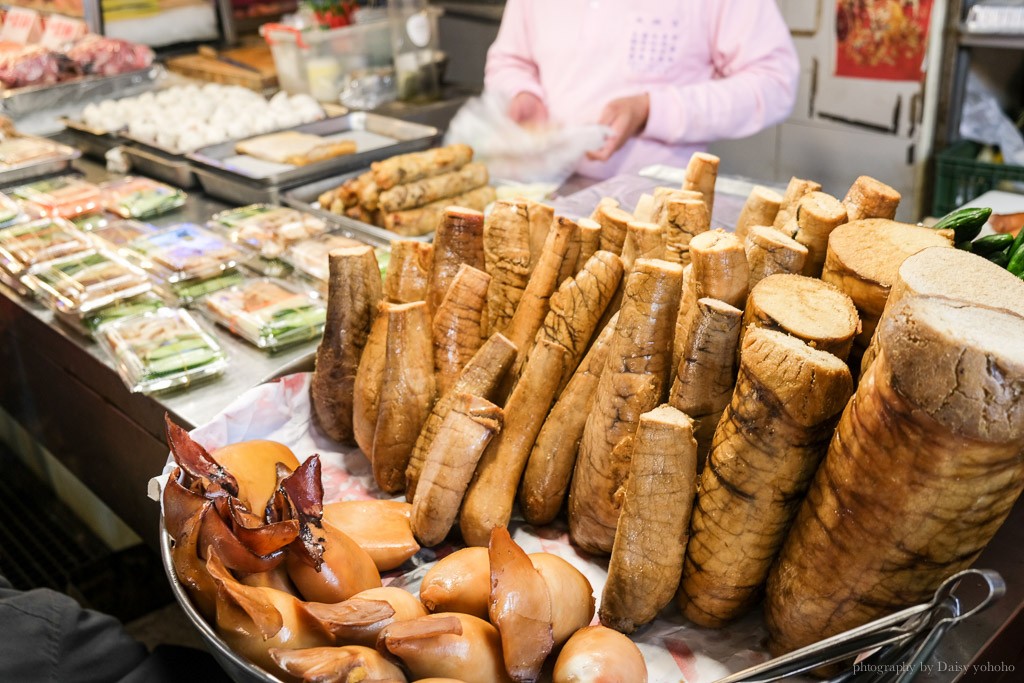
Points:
(262, 76)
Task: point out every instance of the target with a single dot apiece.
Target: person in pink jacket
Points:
(667, 76)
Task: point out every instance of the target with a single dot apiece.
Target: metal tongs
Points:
(898, 644)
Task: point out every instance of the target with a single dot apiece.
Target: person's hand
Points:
(527, 109)
(626, 116)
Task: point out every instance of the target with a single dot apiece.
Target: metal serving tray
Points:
(234, 190)
(92, 142)
(305, 198)
(170, 168)
(35, 169)
(31, 99)
(384, 136)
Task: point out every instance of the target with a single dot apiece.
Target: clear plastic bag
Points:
(517, 153)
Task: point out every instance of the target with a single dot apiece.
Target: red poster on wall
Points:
(882, 39)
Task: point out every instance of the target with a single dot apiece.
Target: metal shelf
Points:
(1002, 41)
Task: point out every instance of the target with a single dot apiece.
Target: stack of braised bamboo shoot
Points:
(598, 364)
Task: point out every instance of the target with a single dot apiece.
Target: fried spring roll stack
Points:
(407, 393)
(578, 305)
(366, 388)
(767, 446)
(520, 607)
(770, 252)
(701, 174)
(353, 292)
(706, 373)
(458, 325)
(761, 208)
(647, 556)
(613, 222)
(870, 198)
(535, 303)
(632, 383)
(927, 273)
(923, 470)
(434, 188)
(491, 494)
(810, 310)
(459, 240)
(590, 241)
(796, 189)
(507, 260)
(466, 430)
(542, 217)
(480, 377)
(862, 260)
(680, 222)
(424, 219)
(408, 168)
(549, 468)
(408, 276)
(817, 215)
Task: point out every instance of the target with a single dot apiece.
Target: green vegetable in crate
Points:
(966, 224)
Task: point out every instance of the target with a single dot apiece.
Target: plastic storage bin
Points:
(319, 62)
(959, 177)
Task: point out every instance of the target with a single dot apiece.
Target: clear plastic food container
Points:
(10, 211)
(141, 197)
(91, 221)
(268, 229)
(163, 350)
(63, 196)
(185, 252)
(311, 256)
(87, 323)
(123, 231)
(267, 313)
(86, 281)
(27, 244)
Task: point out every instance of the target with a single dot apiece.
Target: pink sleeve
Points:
(511, 68)
(755, 86)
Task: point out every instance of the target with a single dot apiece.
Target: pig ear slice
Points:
(261, 539)
(189, 568)
(341, 664)
(520, 607)
(304, 491)
(215, 534)
(351, 613)
(193, 458)
(246, 598)
(180, 503)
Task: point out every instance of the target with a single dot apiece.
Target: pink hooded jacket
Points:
(712, 68)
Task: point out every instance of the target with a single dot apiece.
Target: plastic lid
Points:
(185, 252)
(268, 313)
(86, 281)
(46, 239)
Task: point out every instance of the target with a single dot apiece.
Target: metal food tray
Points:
(18, 102)
(305, 198)
(92, 141)
(43, 167)
(155, 163)
(234, 190)
(406, 137)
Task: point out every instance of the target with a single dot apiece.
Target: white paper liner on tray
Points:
(675, 651)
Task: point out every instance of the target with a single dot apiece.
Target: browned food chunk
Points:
(613, 222)
(408, 274)
(770, 252)
(809, 309)
(761, 208)
(596, 654)
(407, 393)
(353, 292)
(681, 221)
(647, 556)
(507, 260)
(632, 383)
(785, 219)
(459, 240)
(923, 470)
(767, 446)
(447, 645)
(458, 325)
(701, 174)
(450, 463)
(817, 215)
(870, 198)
